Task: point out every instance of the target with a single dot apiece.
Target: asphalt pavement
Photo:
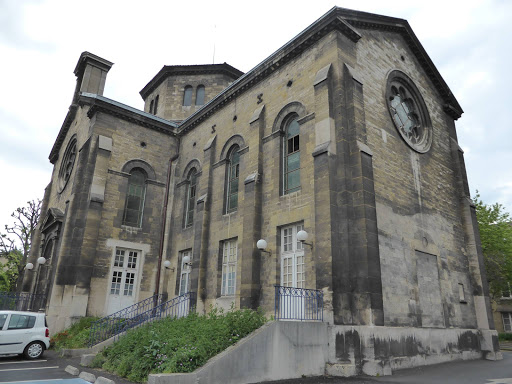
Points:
(48, 370)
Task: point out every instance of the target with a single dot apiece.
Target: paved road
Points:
(466, 372)
(48, 370)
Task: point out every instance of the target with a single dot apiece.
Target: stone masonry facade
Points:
(394, 236)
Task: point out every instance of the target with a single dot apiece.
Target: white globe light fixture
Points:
(41, 260)
(29, 266)
(186, 260)
(167, 264)
(262, 246)
(302, 236)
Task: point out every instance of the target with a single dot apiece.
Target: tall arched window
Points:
(151, 106)
(134, 205)
(291, 155)
(156, 104)
(187, 96)
(233, 173)
(200, 95)
(191, 198)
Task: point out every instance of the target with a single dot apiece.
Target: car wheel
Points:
(34, 350)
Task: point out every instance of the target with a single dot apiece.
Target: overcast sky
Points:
(41, 40)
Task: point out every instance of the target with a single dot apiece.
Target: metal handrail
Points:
(298, 304)
(115, 324)
(23, 301)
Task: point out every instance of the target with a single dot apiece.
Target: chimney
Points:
(91, 74)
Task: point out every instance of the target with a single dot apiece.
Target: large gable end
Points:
(364, 20)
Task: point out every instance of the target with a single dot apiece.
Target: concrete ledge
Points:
(73, 352)
(278, 350)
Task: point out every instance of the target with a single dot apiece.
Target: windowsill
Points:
(230, 213)
(129, 229)
(292, 194)
(463, 302)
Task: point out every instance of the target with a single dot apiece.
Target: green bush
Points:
(76, 336)
(177, 345)
(505, 336)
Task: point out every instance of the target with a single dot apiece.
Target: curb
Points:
(87, 376)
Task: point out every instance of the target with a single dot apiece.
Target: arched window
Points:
(200, 95)
(156, 104)
(291, 155)
(151, 106)
(187, 96)
(191, 198)
(134, 205)
(233, 173)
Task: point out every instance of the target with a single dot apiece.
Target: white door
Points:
(293, 274)
(123, 279)
(183, 305)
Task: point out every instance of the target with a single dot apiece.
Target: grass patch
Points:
(177, 345)
(76, 336)
(505, 336)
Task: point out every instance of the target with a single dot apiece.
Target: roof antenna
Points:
(214, 30)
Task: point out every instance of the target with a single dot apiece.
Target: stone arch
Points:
(293, 107)
(195, 163)
(141, 164)
(233, 140)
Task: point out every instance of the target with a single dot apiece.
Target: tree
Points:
(496, 235)
(16, 241)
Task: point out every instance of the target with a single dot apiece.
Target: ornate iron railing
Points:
(22, 301)
(298, 304)
(138, 314)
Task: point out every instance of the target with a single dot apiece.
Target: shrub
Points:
(177, 345)
(505, 336)
(76, 336)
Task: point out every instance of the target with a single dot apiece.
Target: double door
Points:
(123, 279)
(293, 274)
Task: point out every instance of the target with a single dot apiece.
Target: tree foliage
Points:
(15, 244)
(495, 226)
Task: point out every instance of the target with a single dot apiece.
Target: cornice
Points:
(328, 23)
(70, 116)
(186, 70)
(362, 20)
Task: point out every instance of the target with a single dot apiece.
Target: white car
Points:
(23, 333)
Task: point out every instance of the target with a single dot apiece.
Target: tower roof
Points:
(183, 70)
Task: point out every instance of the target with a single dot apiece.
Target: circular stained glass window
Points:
(408, 112)
(67, 164)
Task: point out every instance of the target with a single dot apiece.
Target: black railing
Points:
(138, 314)
(298, 304)
(22, 301)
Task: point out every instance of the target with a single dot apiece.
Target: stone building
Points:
(346, 132)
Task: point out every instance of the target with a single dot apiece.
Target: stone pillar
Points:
(250, 283)
(324, 165)
(360, 295)
(202, 225)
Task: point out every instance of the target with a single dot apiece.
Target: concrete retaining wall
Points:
(381, 350)
(279, 350)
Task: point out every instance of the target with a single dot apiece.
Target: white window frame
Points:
(185, 272)
(507, 316)
(229, 266)
(292, 251)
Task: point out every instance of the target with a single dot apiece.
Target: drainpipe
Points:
(162, 234)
